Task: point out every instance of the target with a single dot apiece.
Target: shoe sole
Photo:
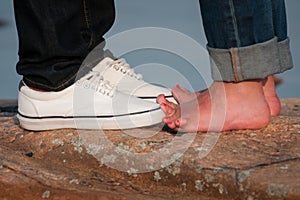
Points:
(129, 121)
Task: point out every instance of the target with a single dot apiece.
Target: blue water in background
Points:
(172, 14)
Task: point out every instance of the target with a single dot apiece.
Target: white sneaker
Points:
(119, 74)
(90, 103)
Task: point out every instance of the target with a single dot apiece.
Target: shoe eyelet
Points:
(78, 83)
(86, 85)
(116, 68)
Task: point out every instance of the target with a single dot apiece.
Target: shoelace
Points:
(122, 66)
(96, 82)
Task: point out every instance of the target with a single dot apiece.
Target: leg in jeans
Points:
(268, 30)
(247, 43)
(55, 36)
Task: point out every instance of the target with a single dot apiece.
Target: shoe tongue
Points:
(103, 64)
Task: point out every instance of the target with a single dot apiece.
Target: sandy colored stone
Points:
(71, 164)
(290, 107)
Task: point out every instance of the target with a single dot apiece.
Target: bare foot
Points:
(183, 95)
(271, 95)
(225, 106)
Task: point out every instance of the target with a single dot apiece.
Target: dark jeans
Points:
(55, 36)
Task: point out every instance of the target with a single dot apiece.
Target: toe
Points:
(180, 122)
(170, 124)
(168, 110)
(161, 99)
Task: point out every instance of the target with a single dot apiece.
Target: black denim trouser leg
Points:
(55, 36)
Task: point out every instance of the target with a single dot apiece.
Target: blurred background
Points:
(157, 66)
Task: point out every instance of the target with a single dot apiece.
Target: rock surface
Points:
(150, 163)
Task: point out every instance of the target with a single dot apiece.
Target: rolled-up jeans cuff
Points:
(286, 61)
(251, 62)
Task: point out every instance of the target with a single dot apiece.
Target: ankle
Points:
(248, 88)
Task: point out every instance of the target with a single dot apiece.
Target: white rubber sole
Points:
(96, 123)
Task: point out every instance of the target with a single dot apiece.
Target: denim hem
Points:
(43, 86)
(251, 62)
(286, 61)
(92, 59)
(63, 84)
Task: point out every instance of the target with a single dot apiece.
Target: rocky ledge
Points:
(151, 163)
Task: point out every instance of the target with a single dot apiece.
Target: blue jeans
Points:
(247, 39)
